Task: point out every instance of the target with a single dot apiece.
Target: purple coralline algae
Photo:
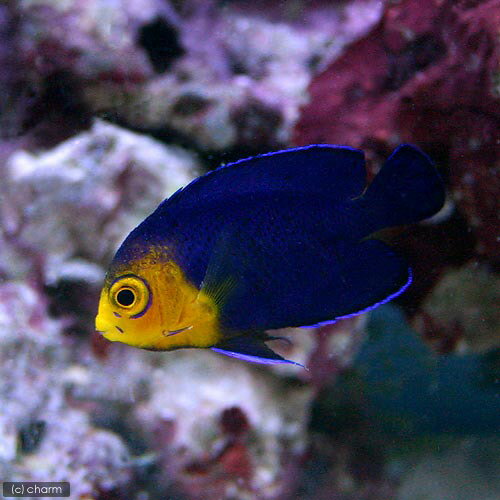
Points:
(108, 107)
(218, 74)
(427, 73)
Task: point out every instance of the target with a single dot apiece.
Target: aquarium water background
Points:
(109, 106)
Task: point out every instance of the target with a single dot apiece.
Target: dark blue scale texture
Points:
(289, 229)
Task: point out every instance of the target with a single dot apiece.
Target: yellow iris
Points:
(130, 295)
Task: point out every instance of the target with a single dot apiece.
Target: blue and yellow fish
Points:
(278, 240)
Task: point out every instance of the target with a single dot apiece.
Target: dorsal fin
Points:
(337, 170)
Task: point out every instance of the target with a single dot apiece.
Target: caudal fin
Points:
(407, 189)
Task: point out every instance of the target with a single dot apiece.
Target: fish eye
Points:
(130, 295)
(125, 297)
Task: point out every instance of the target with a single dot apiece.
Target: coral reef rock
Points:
(463, 310)
(41, 437)
(217, 428)
(220, 74)
(81, 198)
(91, 460)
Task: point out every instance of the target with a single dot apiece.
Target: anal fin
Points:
(254, 350)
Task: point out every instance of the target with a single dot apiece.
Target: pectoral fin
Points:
(219, 282)
(251, 349)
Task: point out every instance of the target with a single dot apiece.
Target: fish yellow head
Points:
(148, 303)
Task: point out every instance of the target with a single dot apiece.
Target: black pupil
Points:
(125, 297)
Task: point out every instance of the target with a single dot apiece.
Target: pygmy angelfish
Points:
(284, 239)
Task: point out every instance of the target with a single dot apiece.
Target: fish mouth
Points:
(109, 335)
(102, 327)
(103, 333)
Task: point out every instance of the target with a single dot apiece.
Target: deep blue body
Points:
(292, 230)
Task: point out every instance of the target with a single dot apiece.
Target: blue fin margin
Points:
(253, 350)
